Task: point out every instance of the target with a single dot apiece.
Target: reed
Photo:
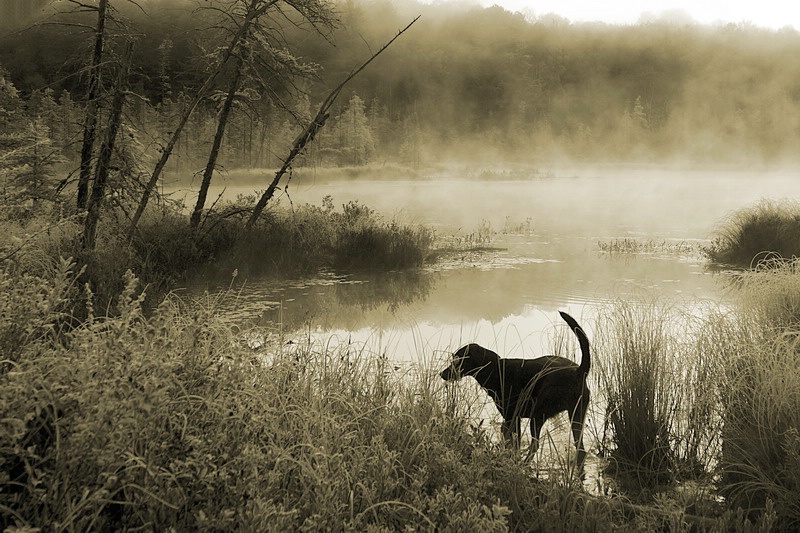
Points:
(760, 462)
(768, 229)
(660, 411)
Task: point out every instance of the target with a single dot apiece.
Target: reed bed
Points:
(760, 462)
(628, 245)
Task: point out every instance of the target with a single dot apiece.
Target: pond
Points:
(548, 244)
(543, 233)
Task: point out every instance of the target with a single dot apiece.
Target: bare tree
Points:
(310, 131)
(257, 8)
(90, 123)
(222, 121)
(106, 151)
(255, 45)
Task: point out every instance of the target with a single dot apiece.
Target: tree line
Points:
(121, 150)
(201, 86)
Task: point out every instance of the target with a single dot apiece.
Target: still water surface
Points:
(547, 229)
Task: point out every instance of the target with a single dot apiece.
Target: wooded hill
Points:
(466, 82)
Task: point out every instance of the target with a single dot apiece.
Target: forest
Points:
(466, 80)
(126, 404)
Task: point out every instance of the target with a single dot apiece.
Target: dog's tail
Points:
(583, 340)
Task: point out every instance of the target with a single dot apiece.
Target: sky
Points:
(774, 14)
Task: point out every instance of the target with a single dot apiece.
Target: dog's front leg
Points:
(511, 430)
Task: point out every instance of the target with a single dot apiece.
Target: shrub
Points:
(765, 230)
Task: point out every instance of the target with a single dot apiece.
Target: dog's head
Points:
(467, 360)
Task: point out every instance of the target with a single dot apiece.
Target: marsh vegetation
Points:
(175, 357)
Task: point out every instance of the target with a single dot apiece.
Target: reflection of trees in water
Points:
(348, 303)
(392, 290)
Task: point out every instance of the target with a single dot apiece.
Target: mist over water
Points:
(544, 228)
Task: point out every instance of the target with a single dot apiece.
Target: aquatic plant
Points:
(660, 412)
(630, 245)
(767, 230)
(760, 463)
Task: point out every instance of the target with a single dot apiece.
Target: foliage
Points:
(477, 82)
(767, 230)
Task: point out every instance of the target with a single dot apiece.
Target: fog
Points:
(466, 84)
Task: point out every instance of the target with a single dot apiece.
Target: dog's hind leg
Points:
(536, 431)
(577, 419)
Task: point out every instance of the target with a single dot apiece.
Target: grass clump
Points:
(768, 229)
(660, 414)
(760, 462)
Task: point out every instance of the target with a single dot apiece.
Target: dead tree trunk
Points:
(224, 115)
(90, 124)
(106, 151)
(310, 132)
(254, 11)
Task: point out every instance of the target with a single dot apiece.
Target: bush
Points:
(768, 229)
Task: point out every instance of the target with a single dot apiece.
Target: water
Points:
(544, 233)
(547, 229)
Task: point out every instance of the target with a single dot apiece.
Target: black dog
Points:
(530, 388)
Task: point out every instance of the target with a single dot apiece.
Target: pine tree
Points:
(357, 144)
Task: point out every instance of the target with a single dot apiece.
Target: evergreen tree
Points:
(357, 144)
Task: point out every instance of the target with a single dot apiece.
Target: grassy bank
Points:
(767, 230)
(169, 420)
(165, 253)
(132, 417)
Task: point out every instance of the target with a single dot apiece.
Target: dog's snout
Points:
(448, 374)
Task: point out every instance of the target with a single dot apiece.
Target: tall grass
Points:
(167, 421)
(165, 253)
(660, 410)
(768, 229)
(761, 396)
(171, 420)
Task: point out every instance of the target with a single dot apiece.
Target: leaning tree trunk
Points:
(254, 11)
(90, 125)
(225, 112)
(310, 132)
(106, 151)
